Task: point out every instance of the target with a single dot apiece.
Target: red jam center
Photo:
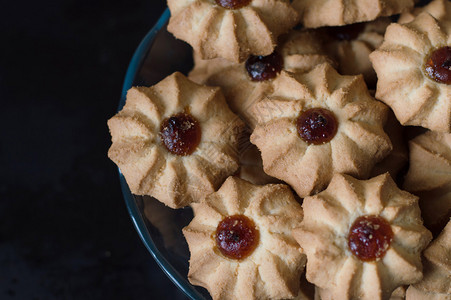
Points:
(180, 134)
(370, 237)
(317, 126)
(236, 236)
(233, 4)
(346, 33)
(438, 65)
(261, 68)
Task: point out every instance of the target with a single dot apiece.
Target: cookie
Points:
(175, 141)
(363, 238)
(241, 245)
(316, 124)
(231, 29)
(414, 78)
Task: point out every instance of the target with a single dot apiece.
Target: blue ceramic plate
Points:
(160, 227)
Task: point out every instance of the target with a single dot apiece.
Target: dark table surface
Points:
(64, 229)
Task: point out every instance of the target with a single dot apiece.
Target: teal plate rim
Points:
(137, 218)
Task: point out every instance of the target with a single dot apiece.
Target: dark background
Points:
(64, 229)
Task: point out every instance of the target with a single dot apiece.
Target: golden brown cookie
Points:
(231, 29)
(316, 124)
(439, 9)
(241, 245)
(413, 72)
(175, 141)
(429, 177)
(436, 283)
(316, 13)
(363, 239)
(244, 84)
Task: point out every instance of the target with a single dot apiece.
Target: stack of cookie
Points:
(290, 146)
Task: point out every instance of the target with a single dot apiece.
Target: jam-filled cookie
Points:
(363, 239)
(241, 244)
(316, 13)
(439, 9)
(316, 124)
(175, 141)
(429, 177)
(246, 83)
(413, 66)
(436, 283)
(231, 29)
